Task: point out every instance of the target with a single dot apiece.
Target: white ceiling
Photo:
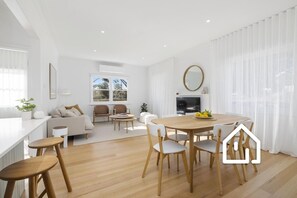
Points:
(136, 30)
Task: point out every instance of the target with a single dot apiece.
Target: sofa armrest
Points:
(76, 125)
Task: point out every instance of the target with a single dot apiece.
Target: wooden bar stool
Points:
(52, 142)
(30, 168)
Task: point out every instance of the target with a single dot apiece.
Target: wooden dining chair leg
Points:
(158, 159)
(168, 161)
(177, 162)
(160, 174)
(235, 167)
(199, 150)
(243, 166)
(195, 154)
(211, 160)
(186, 166)
(9, 189)
(252, 158)
(218, 163)
(147, 161)
(61, 161)
(48, 185)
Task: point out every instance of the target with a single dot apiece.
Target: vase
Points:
(26, 115)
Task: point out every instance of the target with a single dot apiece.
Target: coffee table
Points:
(118, 118)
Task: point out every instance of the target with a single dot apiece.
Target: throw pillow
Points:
(62, 110)
(75, 111)
(75, 106)
(70, 114)
(56, 113)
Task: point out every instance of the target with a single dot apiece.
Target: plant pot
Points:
(26, 115)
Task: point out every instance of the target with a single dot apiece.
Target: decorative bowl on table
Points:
(204, 115)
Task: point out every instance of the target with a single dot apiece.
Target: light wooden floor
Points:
(114, 168)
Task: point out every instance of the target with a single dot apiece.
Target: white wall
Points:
(74, 75)
(43, 52)
(199, 55)
(13, 36)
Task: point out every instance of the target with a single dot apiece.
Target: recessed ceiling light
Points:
(102, 31)
(207, 21)
(94, 50)
(165, 45)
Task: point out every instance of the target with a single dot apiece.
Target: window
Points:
(108, 88)
(100, 89)
(13, 77)
(119, 89)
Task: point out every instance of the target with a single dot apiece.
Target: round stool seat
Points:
(46, 142)
(28, 168)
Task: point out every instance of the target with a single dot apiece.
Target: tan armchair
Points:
(101, 111)
(120, 108)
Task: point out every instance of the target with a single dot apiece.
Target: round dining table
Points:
(191, 124)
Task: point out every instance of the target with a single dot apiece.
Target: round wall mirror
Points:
(193, 78)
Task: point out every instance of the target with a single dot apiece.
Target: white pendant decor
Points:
(26, 115)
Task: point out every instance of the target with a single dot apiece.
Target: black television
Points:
(187, 105)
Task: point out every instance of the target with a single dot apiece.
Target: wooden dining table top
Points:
(191, 123)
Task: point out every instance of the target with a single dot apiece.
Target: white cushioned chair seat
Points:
(178, 137)
(170, 146)
(208, 145)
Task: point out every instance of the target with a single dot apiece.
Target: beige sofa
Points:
(76, 125)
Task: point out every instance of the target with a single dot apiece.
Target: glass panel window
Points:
(120, 89)
(100, 89)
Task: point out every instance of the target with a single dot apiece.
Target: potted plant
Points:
(26, 107)
(143, 108)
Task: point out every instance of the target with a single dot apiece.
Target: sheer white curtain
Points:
(254, 72)
(13, 80)
(162, 88)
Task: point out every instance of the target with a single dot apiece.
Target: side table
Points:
(61, 131)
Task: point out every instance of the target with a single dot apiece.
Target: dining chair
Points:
(208, 135)
(243, 144)
(215, 148)
(164, 148)
(178, 136)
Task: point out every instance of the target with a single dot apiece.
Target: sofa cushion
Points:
(75, 111)
(62, 110)
(75, 106)
(56, 113)
(70, 114)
